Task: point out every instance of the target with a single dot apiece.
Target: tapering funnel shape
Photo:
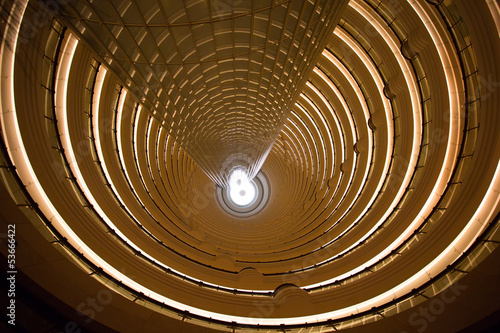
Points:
(221, 76)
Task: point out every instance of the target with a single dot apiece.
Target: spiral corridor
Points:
(382, 188)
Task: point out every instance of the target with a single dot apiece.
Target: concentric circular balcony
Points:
(202, 166)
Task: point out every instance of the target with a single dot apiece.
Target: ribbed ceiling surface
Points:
(220, 78)
(383, 181)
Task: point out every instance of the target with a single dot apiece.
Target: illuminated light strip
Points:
(137, 118)
(351, 121)
(157, 155)
(270, 321)
(24, 167)
(119, 142)
(61, 98)
(11, 128)
(313, 106)
(155, 191)
(433, 198)
(120, 111)
(354, 86)
(290, 142)
(7, 56)
(135, 149)
(339, 96)
(492, 193)
(367, 304)
(380, 86)
(161, 190)
(385, 32)
(342, 68)
(97, 135)
(61, 95)
(345, 193)
(295, 153)
(292, 127)
(136, 125)
(320, 147)
(330, 108)
(449, 255)
(323, 121)
(310, 135)
(494, 8)
(378, 81)
(148, 160)
(335, 119)
(120, 148)
(483, 213)
(136, 137)
(131, 183)
(327, 127)
(163, 170)
(361, 99)
(451, 72)
(409, 78)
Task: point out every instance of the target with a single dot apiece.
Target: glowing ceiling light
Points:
(242, 191)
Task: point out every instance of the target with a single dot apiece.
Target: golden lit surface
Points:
(380, 156)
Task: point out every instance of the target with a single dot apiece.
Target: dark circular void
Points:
(244, 197)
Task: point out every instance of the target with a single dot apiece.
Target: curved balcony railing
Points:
(485, 244)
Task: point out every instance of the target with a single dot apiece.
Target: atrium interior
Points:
(250, 166)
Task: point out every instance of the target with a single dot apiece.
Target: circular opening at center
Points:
(242, 191)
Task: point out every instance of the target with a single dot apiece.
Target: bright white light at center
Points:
(242, 190)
